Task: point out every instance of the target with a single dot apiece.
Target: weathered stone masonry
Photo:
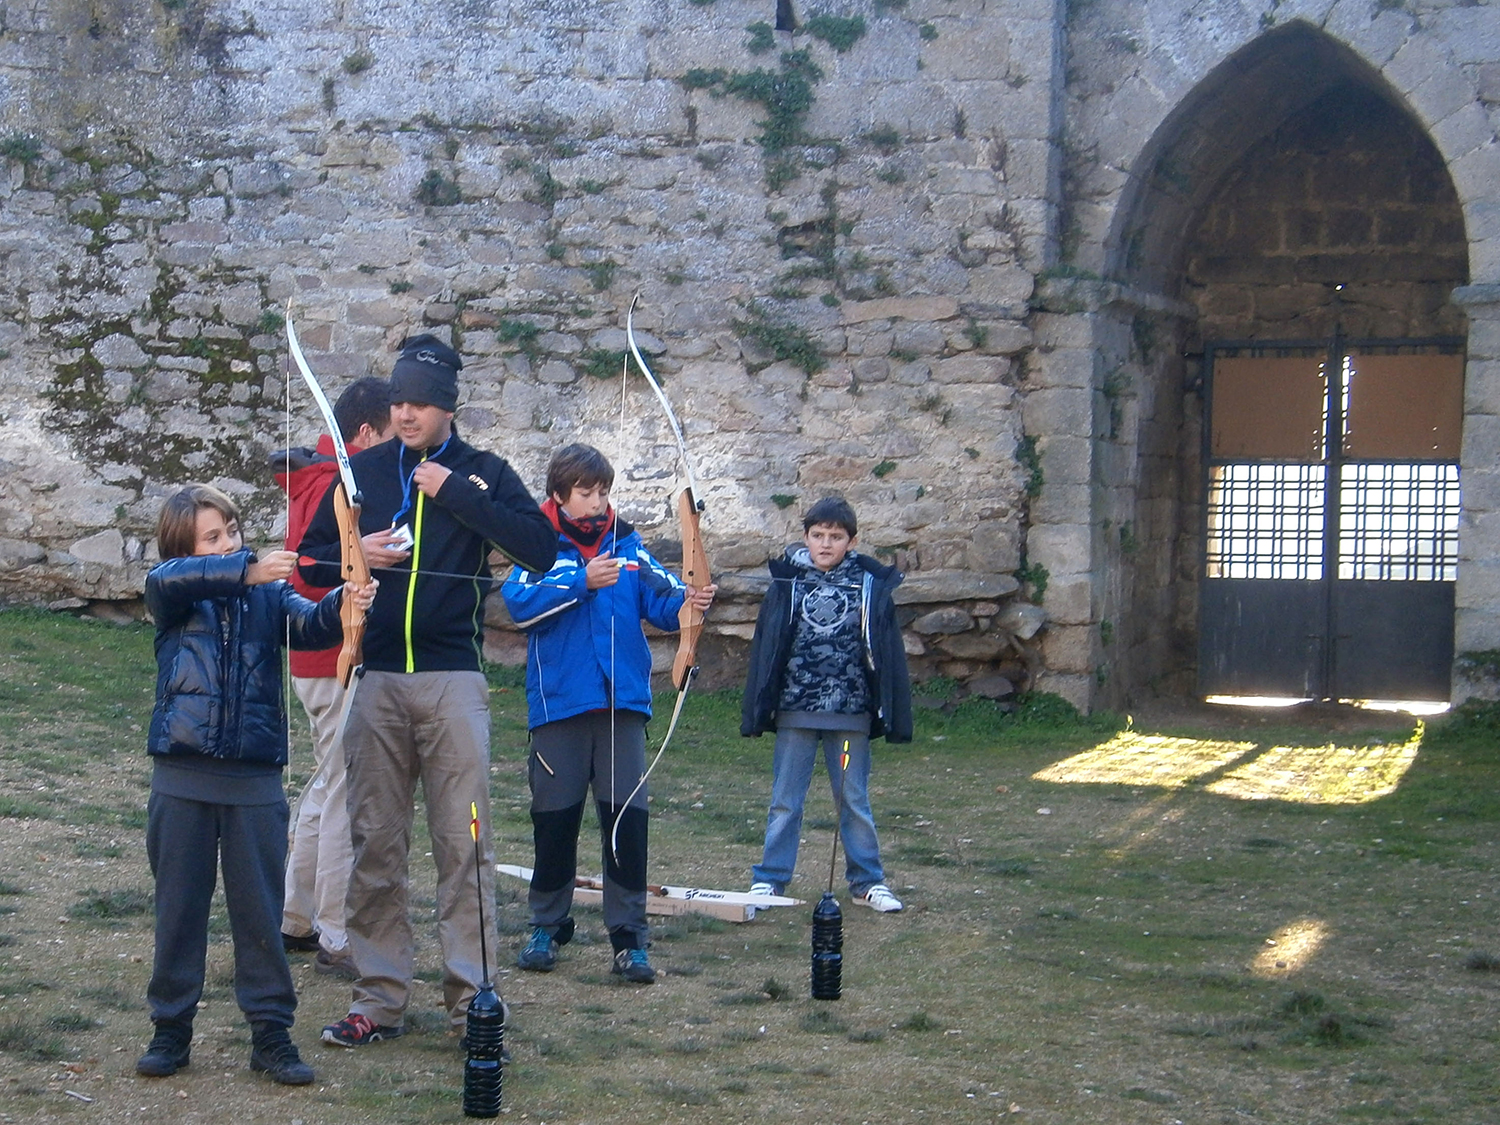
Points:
(921, 253)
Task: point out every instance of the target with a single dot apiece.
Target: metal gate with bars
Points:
(1332, 511)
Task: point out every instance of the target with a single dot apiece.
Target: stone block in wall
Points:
(918, 109)
(1477, 629)
(971, 369)
(1022, 620)
(1058, 410)
(1029, 165)
(903, 308)
(1061, 503)
(18, 553)
(1068, 648)
(1064, 549)
(1061, 332)
(1000, 287)
(1468, 129)
(991, 106)
(1470, 33)
(105, 548)
(200, 233)
(936, 587)
(918, 337)
(1487, 81)
(118, 350)
(1475, 172)
(1478, 585)
(1077, 689)
(994, 546)
(1481, 442)
(1066, 460)
(1069, 599)
(990, 685)
(1002, 337)
(1061, 367)
(382, 313)
(979, 647)
(506, 647)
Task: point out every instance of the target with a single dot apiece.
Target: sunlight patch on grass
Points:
(1314, 775)
(1290, 948)
(1321, 775)
(1130, 758)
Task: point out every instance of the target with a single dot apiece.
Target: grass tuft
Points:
(109, 906)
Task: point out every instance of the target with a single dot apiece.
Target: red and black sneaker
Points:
(355, 1030)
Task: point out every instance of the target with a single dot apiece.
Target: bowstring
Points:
(614, 535)
(758, 579)
(286, 648)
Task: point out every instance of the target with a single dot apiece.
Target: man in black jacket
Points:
(433, 509)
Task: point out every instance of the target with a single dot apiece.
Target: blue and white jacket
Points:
(572, 655)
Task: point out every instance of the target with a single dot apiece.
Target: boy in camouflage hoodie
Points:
(827, 665)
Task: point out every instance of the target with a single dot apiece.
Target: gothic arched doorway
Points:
(1311, 233)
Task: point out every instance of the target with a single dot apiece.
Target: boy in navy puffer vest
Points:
(218, 741)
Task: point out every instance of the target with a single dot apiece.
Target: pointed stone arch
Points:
(1113, 346)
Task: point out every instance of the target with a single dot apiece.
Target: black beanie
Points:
(426, 372)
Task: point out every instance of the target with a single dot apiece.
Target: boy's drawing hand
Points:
(702, 596)
(378, 549)
(273, 566)
(429, 477)
(363, 595)
(603, 570)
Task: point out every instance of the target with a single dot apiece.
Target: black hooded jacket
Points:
(218, 657)
(884, 657)
(433, 620)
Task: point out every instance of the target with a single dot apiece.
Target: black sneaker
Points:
(540, 954)
(633, 965)
(168, 1053)
(308, 943)
(276, 1054)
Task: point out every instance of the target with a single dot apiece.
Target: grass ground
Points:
(1206, 917)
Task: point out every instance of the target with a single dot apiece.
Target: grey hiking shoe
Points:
(633, 965)
(540, 954)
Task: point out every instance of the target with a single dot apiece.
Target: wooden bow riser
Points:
(357, 570)
(695, 573)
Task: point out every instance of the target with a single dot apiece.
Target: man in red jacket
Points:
(317, 869)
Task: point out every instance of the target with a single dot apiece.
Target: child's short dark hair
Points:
(578, 466)
(365, 402)
(177, 526)
(835, 510)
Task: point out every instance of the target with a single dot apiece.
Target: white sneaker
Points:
(879, 898)
(762, 889)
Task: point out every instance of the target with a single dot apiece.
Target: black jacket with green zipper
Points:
(428, 615)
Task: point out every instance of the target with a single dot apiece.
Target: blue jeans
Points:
(792, 769)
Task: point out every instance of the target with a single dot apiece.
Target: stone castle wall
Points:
(844, 312)
(886, 256)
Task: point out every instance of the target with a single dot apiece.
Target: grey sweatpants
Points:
(568, 757)
(185, 843)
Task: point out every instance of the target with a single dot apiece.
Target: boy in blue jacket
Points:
(588, 690)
